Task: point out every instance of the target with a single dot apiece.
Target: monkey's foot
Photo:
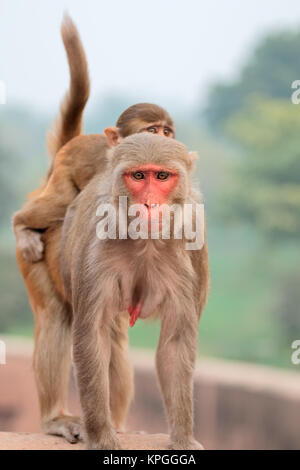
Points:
(69, 427)
(107, 441)
(189, 444)
(30, 244)
(134, 314)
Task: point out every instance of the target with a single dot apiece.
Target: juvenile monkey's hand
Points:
(30, 244)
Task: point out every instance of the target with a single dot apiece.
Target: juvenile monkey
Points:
(76, 158)
(105, 277)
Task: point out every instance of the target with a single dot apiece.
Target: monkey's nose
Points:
(152, 206)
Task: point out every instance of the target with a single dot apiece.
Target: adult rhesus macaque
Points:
(75, 160)
(106, 279)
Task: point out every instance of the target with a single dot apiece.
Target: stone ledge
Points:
(236, 404)
(28, 441)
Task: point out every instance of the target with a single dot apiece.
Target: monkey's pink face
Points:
(151, 185)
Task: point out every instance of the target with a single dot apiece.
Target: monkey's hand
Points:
(30, 244)
(186, 444)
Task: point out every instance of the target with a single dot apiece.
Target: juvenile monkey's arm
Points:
(75, 165)
(41, 213)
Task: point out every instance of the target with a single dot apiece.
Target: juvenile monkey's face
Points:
(159, 128)
(139, 126)
(151, 185)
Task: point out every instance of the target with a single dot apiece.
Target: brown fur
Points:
(75, 164)
(69, 122)
(52, 353)
(102, 278)
(67, 125)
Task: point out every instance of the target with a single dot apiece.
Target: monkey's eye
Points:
(138, 175)
(162, 175)
(152, 129)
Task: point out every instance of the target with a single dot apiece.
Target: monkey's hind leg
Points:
(120, 372)
(52, 353)
(175, 360)
(91, 351)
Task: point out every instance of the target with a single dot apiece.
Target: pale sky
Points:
(165, 51)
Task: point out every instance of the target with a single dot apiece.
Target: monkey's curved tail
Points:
(68, 124)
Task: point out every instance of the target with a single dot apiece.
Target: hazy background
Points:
(224, 70)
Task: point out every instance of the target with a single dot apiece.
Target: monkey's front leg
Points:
(175, 361)
(92, 346)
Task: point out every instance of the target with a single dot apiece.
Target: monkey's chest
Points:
(147, 288)
(151, 278)
(147, 294)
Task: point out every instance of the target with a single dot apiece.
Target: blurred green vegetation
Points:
(249, 172)
(265, 187)
(268, 71)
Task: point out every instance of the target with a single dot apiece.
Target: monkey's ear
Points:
(193, 157)
(112, 135)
